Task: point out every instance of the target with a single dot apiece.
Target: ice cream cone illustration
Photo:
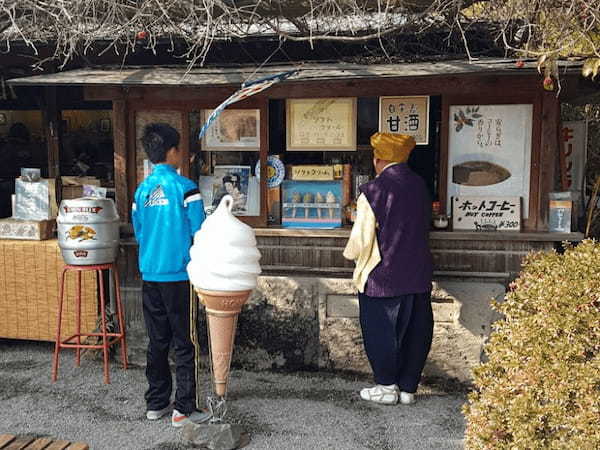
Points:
(319, 199)
(296, 198)
(223, 269)
(330, 198)
(307, 198)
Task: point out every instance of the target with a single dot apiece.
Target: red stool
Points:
(108, 339)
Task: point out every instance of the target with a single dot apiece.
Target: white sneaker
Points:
(155, 414)
(179, 419)
(385, 395)
(406, 398)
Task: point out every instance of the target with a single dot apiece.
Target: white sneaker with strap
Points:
(385, 395)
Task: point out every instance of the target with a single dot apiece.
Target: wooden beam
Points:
(52, 126)
(550, 147)
(111, 93)
(443, 172)
(131, 162)
(120, 130)
(264, 152)
(184, 145)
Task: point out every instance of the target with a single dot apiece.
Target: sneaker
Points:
(155, 414)
(406, 398)
(385, 395)
(179, 419)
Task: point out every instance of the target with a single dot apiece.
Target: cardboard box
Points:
(72, 187)
(32, 230)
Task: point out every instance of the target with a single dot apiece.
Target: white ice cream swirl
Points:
(224, 256)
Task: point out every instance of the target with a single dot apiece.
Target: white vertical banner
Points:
(574, 148)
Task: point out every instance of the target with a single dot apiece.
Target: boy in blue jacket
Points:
(166, 212)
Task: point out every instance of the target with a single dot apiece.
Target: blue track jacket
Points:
(166, 212)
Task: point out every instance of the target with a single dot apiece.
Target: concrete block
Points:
(342, 306)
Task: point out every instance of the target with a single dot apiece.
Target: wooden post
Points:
(184, 145)
(119, 120)
(264, 153)
(550, 147)
(52, 126)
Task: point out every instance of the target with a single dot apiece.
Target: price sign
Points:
(486, 213)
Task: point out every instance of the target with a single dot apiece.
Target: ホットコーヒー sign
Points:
(486, 213)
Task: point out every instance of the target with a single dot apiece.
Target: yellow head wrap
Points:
(392, 147)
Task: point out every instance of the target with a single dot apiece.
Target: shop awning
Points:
(221, 76)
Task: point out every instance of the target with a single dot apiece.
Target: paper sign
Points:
(405, 115)
(486, 213)
(313, 173)
(321, 124)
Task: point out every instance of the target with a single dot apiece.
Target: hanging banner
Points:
(574, 148)
(248, 89)
(405, 115)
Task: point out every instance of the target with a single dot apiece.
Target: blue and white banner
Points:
(248, 89)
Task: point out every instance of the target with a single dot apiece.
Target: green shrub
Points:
(540, 388)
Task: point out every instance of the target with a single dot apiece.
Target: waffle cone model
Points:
(222, 310)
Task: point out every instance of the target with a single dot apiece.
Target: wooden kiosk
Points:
(307, 264)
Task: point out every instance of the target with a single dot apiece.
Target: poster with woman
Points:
(232, 180)
(489, 151)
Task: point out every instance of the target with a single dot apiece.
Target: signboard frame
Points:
(517, 124)
(294, 108)
(418, 136)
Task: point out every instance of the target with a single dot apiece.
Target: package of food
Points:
(35, 200)
(33, 230)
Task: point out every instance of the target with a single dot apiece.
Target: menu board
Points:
(489, 151)
(405, 115)
(321, 124)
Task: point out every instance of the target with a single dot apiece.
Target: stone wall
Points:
(295, 323)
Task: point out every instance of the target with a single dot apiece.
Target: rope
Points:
(194, 337)
(217, 406)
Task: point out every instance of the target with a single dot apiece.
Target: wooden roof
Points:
(221, 76)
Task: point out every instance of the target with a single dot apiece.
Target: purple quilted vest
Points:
(401, 204)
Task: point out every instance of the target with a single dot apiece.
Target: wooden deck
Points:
(12, 442)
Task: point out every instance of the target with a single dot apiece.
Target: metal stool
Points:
(108, 339)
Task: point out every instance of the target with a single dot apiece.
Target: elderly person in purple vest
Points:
(389, 243)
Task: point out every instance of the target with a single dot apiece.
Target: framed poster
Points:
(232, 180)
(233, 130)
(489, 151)
(321, 124)
(405, 115)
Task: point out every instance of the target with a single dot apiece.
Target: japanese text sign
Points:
(320, 173)
(574, 142)
(486, 213)
(405, 115)
(321, 124)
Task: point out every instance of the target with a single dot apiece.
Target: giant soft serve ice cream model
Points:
(223, 270)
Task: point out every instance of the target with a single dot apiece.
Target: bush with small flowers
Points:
(540, 388)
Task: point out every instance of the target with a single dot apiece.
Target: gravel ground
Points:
(279, 411)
